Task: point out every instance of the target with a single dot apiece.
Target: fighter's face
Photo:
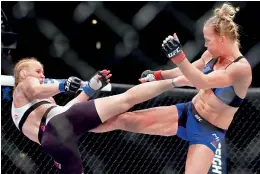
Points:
(213, 42)
(35, 69)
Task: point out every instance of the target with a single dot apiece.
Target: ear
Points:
(223, 39)
(23, 74)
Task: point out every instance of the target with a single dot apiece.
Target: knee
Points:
(125, 120)
(170, 133)
(127, 100)
(171, 130)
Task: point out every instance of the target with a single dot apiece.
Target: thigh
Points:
(82, 116)
(62, 146)
(110, 106)
(199, 159)
(155, 121)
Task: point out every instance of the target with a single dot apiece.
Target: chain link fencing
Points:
(126, 152)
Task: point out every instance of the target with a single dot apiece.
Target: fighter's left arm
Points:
(96, 83)
(215, 79)
(220, 78)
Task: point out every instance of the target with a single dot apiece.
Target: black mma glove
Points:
(173, 49)
(72, 84)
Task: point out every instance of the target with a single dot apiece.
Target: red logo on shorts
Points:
(214, 143)
(43, 128)
(57, 165)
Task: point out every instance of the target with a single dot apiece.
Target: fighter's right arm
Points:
(199, 64)
(32, 88)
(175, 72)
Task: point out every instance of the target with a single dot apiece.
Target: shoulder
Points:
(18, 91)
(206, 57)
(241, 70)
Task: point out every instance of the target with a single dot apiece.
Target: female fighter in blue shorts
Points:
(56, 128)
(222, 76)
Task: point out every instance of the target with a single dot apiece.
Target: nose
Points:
(42, 76)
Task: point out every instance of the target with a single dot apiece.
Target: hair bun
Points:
(226, 11)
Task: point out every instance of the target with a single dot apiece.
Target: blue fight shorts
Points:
(193, 128)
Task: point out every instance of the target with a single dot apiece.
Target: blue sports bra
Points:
(227, 94)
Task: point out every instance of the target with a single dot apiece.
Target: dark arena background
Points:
(79, 38)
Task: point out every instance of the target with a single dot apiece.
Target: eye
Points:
(38, 71)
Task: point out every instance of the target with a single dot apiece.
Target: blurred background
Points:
(79, 38)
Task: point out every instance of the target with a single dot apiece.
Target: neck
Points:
(232, 52)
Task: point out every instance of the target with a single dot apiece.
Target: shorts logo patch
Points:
(214, 143)
(15, 117)
(43, 128)
(198, 118)
(57, 165)
(215, 140)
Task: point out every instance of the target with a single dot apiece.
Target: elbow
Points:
(197, 87)
(203, 83)
(33, 93)
(200, 86)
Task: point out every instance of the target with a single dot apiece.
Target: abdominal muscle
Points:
(33, 121)
(212, 109)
